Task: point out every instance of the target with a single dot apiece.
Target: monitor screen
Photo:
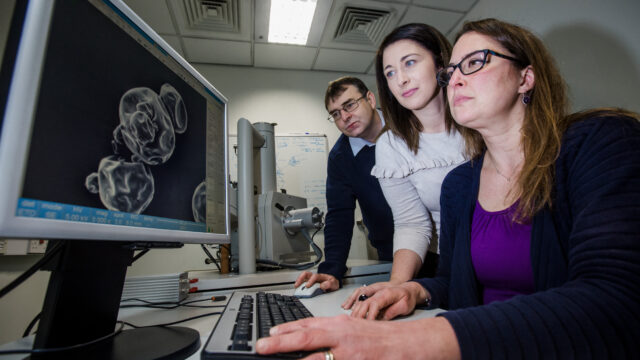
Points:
(111, 142)
(108, 134)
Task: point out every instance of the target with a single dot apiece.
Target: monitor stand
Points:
(82, 303)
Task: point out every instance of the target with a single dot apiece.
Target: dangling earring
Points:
(526, 99)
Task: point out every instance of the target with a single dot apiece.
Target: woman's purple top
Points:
(500, 252)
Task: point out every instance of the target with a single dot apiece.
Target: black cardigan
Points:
(349, 179)
(585, 254)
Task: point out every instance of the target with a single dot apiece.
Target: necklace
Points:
(501, 174)
(508, 178)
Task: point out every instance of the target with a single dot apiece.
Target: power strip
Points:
(156, 288)
(22, 247)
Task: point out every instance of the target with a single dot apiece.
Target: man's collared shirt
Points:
(358, 143)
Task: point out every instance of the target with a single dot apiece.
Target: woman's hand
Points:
(327, 282)
(350, 338)
(366, 290)
(390, 302)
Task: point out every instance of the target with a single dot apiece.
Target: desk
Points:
(322, 305)
(360, 272)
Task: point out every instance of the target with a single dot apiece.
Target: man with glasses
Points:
(352, 108)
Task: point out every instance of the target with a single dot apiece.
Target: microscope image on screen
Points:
(123, 186)
(148, 124)
(199, 202)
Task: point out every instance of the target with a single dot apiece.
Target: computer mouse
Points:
(303, 291)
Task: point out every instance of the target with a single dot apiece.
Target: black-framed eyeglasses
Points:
(349, 107)
(469, 64)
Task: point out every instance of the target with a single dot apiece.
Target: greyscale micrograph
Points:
(145, 127)
(147, 130)
(198, 203)
(123, 186)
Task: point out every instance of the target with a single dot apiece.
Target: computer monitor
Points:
(110, 141)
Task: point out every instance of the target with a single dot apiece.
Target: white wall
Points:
(595, 44)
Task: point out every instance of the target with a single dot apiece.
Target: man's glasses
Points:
(349, 107)
(469, 64)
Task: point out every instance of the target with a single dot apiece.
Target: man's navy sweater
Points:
(349, 179)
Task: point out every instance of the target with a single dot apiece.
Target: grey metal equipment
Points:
(248, 138)
(267, 157)
(296, 219)
(282, 219)
(274, 242)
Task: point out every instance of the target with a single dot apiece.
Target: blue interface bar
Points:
(57, 211)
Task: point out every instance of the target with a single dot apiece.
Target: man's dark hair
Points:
(338, 86)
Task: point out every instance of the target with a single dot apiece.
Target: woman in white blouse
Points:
(420, 146)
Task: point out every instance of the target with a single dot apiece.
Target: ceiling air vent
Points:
(362, 26)
(213, 15)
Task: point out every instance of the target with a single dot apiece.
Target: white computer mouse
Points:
(303, 291)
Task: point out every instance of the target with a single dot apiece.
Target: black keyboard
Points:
(247, 317)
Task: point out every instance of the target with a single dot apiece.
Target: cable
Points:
(66, 348)
(140, 254)
(49, 254)
(108, 336)
(210, 257)
(173, 323)
(170, 307)
(169, 304)
(33, 322)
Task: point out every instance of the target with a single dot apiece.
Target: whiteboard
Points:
(301, 166)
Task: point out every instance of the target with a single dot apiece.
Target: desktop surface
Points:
(361, 272)
(324, 305)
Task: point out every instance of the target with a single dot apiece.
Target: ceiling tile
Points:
(221, 19)
(154, 13)
(284, 56)
(458, 5)
(344, 60)
(217, 51)
(174, 42)
(440, 19)
(360, 24)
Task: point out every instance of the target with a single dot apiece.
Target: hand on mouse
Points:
(327, 282)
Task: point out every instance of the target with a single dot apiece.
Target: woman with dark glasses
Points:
(540, 230)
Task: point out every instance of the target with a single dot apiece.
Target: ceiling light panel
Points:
(290, 21)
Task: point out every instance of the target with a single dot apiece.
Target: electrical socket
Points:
(37, 246)
(3, 245)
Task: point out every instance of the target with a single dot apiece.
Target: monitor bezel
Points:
(16, 135)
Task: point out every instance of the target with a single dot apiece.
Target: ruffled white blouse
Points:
(411, 185)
